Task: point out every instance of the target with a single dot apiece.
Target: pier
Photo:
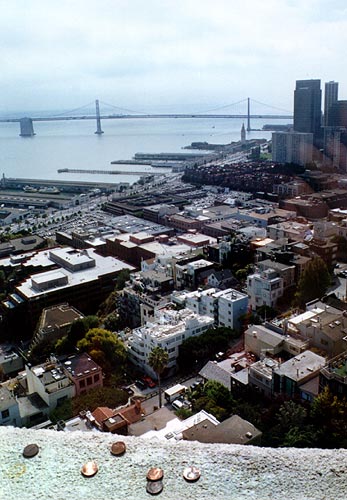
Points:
(110, 172)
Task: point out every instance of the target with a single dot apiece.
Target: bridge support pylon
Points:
(248, 115)
(26, 127)
(99, 131)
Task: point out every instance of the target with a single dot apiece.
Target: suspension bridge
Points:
(27, 123)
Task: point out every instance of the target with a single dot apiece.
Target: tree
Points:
(214, 398)
(158, 359)
(122, 278)
(197, 350)
(291, 415)
(219, 394)
(313, 283)
(105, 348)
(111, 322)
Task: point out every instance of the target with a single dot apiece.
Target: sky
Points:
(167, 55)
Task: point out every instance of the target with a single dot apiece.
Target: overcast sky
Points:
(167, 54)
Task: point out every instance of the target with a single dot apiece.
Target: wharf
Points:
(64, 186)
(168, 156)
(151, 163)
(131, 162)
(111, 172)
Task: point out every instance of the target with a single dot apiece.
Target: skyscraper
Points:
(308, 108)
(330, 97)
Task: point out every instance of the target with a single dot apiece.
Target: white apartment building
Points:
(51, 383)
(168, 330)
(264, 288)
(224, 306)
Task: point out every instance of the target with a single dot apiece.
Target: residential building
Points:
(224, 306)
(293, 230)
(292, 188)
(84, 373)
(189, 274)
(334, 375)
(292, 147)
(50, 382)
(261, 376)
(231, 372)
(325, 329)
(233, 430)
(175, 427)
(116, 421)
(221, 279)
(264, 289)
(285, 271)
(295, 372)
(264, 340)
(168, 330)
(10, 361)
(9, 410)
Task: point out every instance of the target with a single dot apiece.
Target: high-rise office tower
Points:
(338, 114)
(330, 97)
(308, 108)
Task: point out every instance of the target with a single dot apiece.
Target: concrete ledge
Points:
(228, 472)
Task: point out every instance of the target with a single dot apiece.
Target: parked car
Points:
(147, 380)
(177, 404)
(140, 384)
(195, 385)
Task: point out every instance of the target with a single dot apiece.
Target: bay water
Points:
(73, 145)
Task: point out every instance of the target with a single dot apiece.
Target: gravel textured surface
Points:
(228, 472)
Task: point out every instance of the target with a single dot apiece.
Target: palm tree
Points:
(158, 359)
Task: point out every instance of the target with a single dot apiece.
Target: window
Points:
(82, 383)
(5, 414)
(89, 380)
(96, 378)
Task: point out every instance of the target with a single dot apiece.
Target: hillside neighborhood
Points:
(237, 301)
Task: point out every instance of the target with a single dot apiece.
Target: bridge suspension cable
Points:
(272, 107)
(220, 107)
(67, 113)
(125, 109)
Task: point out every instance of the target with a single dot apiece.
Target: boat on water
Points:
(29, 189)
(49, 190)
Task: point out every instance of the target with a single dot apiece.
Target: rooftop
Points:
(301, 366)
(103, 265)
(59, 316)
(80, 365)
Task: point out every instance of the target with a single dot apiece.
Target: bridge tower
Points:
(248, 115)
(26, 127)
(98, 122)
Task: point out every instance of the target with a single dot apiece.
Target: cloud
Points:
(212, 51)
